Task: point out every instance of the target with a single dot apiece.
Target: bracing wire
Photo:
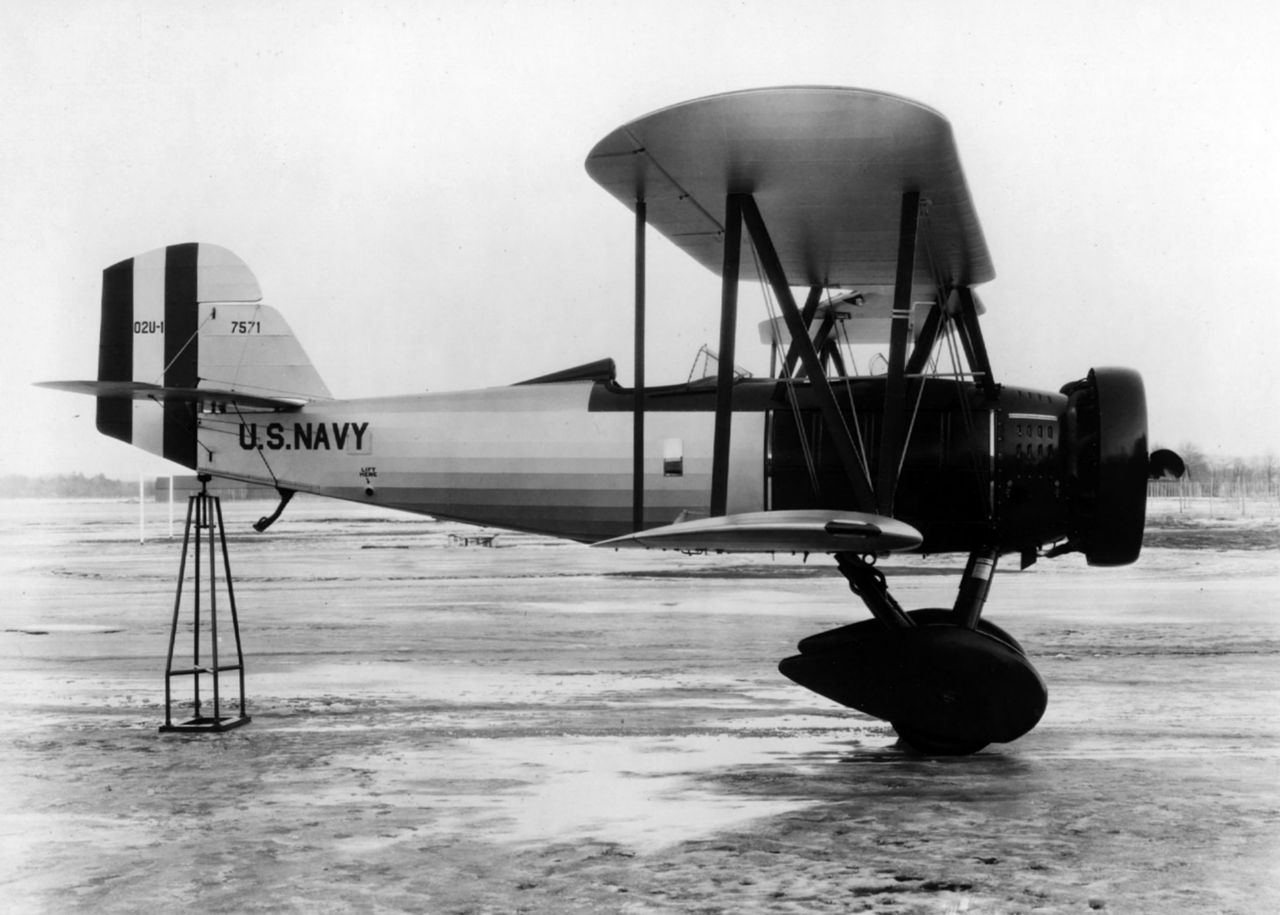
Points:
(915, 413)
(244, 350)
(853, 409)
(275, 481)
(949, 331)
(966, 413)
(182, 349)
(789, 381)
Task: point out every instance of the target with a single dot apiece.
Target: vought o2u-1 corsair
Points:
(850, 208)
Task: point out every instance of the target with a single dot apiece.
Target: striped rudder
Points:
(189, 319)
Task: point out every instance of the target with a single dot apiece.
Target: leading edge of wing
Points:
(136, 390)
(796, 531)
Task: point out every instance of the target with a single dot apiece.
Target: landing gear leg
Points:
(974, 588)
(972, 598)
(948, 681)
(866, 581)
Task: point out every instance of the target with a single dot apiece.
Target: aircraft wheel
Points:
(931, 616)
(945, 689)
(935, 746)
(942, 746)
(934, 616)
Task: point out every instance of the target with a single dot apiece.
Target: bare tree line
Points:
(1222, 477)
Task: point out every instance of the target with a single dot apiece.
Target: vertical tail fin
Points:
(189, 318)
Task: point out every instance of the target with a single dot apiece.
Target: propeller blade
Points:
(1165, 465)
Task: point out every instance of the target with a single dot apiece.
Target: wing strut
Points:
(728, 334)
(823, 345)
(844, 444)
(810, 309)
(893, 437)
(975, 348)
(637, 429)
(924, 343)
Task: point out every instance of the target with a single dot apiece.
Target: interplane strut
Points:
(843, 441)
(893, 437)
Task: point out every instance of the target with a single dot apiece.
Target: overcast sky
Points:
(406, 180)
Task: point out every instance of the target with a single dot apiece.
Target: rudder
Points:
(189, 318)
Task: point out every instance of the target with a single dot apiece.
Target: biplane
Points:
(850, 209)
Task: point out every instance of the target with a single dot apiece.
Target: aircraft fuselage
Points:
(557, 458)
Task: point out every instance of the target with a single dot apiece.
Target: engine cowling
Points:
(1106, 441)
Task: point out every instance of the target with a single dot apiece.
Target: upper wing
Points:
(827, 167)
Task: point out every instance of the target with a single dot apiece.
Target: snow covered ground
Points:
(544, 727)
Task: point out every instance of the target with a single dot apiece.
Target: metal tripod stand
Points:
(204, 513)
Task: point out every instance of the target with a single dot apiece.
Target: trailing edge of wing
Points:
(137, 390)
(810, 531)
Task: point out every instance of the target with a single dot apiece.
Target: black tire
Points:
(936, 616)
(936, 746)
(928, 745)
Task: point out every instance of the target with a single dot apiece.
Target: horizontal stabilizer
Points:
(808, 531)
(138, 390)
